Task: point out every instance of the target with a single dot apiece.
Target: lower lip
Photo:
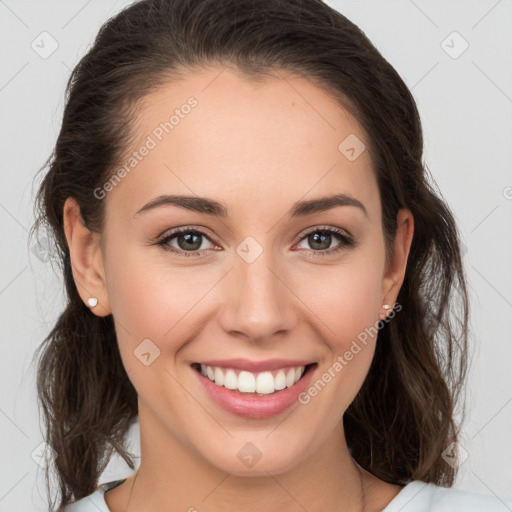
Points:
(253, 406)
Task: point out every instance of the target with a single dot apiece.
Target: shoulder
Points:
(418, 496)
(95, 502)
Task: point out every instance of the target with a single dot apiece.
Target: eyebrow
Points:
(211, 207)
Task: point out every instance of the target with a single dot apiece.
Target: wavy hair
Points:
(403, 417)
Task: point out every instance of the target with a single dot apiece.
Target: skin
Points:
(257, 147)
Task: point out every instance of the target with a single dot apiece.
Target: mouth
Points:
(254, 383)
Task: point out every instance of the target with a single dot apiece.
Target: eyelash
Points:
(346, 241)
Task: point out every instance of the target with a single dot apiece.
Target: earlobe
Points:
(86, 259)
(395, 272)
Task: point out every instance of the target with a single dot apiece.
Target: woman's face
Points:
(263, 274)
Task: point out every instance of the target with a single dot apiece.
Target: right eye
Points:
(185, 242)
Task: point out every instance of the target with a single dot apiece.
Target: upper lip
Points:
(255, 366)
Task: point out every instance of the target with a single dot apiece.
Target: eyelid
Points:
(186, 227)
(314, 229)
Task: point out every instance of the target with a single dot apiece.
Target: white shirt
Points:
(416, 496)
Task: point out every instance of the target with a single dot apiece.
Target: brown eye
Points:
(320, 240)
(186, 242)
(189, 241)
(326, 241)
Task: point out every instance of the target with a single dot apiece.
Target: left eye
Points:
(321, 240)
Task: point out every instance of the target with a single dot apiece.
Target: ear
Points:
(86, 258)
(395, 271)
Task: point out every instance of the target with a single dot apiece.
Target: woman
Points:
(258, 271)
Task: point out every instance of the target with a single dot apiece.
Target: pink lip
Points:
(255, 366)
(255, 406)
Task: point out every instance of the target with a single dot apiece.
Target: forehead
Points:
(219, 133)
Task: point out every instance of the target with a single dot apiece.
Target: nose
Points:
(258, 305)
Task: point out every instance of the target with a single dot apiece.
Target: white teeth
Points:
(219, 377)
(280, 380)
(230, 380)
(290, 377)
(246, 382)
(263, 383)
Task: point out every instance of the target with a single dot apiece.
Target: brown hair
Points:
(403, 417)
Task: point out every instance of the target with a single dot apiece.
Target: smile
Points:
(263, 383)
(254, 390)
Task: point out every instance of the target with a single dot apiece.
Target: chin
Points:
(256, 458)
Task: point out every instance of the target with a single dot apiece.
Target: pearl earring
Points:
(384, 315)
(92, 301)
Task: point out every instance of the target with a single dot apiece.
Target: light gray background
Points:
(466, 108)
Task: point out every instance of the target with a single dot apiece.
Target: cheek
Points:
(347, 309)
(154, 300)
(152, 306)
(346, 298)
